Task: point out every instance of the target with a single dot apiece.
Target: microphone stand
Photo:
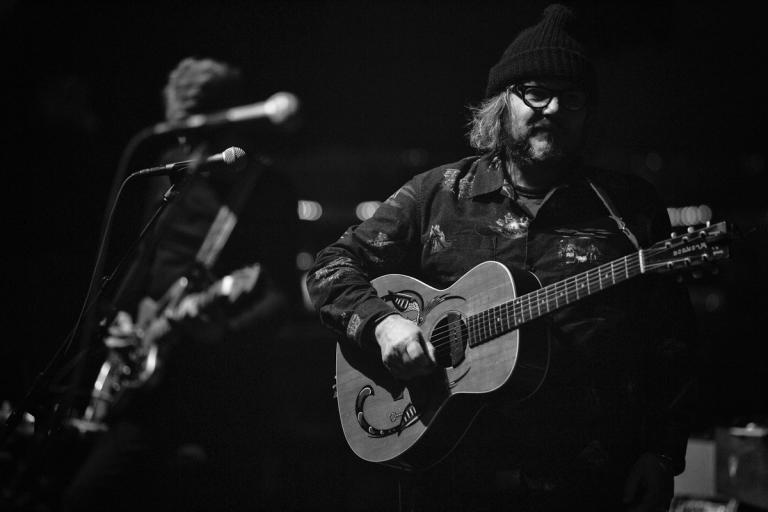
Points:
(109, 310)
(34, 457)
(13, 419)
(46, 377)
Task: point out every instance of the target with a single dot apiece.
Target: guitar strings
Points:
(476, 321)
(531, 301)
(441, 336)
(595, 276)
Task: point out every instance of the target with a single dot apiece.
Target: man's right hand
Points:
(404, 351)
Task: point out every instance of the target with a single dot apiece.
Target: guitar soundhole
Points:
(449, 337)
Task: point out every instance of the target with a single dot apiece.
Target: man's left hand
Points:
(650, 485)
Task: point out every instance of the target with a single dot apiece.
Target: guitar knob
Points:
(691, 229)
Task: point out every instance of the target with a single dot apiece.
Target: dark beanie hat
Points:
(550, 49)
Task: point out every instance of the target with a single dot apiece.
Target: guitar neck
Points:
(232, 287)
(506, 317)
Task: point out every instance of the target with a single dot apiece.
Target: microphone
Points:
(233, 158)
(277, 108)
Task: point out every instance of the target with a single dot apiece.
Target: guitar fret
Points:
(530, 311)
(491, 323)
(538, 303)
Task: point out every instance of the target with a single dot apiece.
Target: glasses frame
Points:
(520, 89)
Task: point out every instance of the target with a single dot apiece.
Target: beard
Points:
(528, 151)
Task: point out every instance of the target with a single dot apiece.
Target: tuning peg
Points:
(672, 235)
(691, 229)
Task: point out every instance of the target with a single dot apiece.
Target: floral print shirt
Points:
(620, 356)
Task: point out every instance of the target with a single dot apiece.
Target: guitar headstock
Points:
(239, 282)
(696, 247)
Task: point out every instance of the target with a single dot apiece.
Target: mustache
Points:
(540, 122)
(545, 125)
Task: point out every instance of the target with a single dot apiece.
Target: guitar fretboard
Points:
(498, 320)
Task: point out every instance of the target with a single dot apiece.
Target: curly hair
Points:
(486, 128)
(200, 85)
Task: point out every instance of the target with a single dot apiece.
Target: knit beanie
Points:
(553, 48)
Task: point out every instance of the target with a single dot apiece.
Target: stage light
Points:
(366, 209)
(689, 215)
(309, 210)
(304, 260)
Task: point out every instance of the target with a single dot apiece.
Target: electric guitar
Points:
(485, 337)
(135, 360)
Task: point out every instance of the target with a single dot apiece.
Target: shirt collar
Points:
(489, 175)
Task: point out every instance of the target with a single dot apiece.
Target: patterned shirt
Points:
(618, 358)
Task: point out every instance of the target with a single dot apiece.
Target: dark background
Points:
(384, 88)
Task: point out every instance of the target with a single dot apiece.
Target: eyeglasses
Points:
(538, 97)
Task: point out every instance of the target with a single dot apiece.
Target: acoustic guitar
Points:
(486, 337)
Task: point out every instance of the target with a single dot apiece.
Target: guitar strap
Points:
(226, 218)
(614, 214)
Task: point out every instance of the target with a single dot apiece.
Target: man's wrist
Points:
(379, 321)
(383, 317)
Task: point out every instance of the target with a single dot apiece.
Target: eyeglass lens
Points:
(540, 97)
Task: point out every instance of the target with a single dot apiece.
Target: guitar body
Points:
(136, 357)
(414, 424)
(135, 367)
